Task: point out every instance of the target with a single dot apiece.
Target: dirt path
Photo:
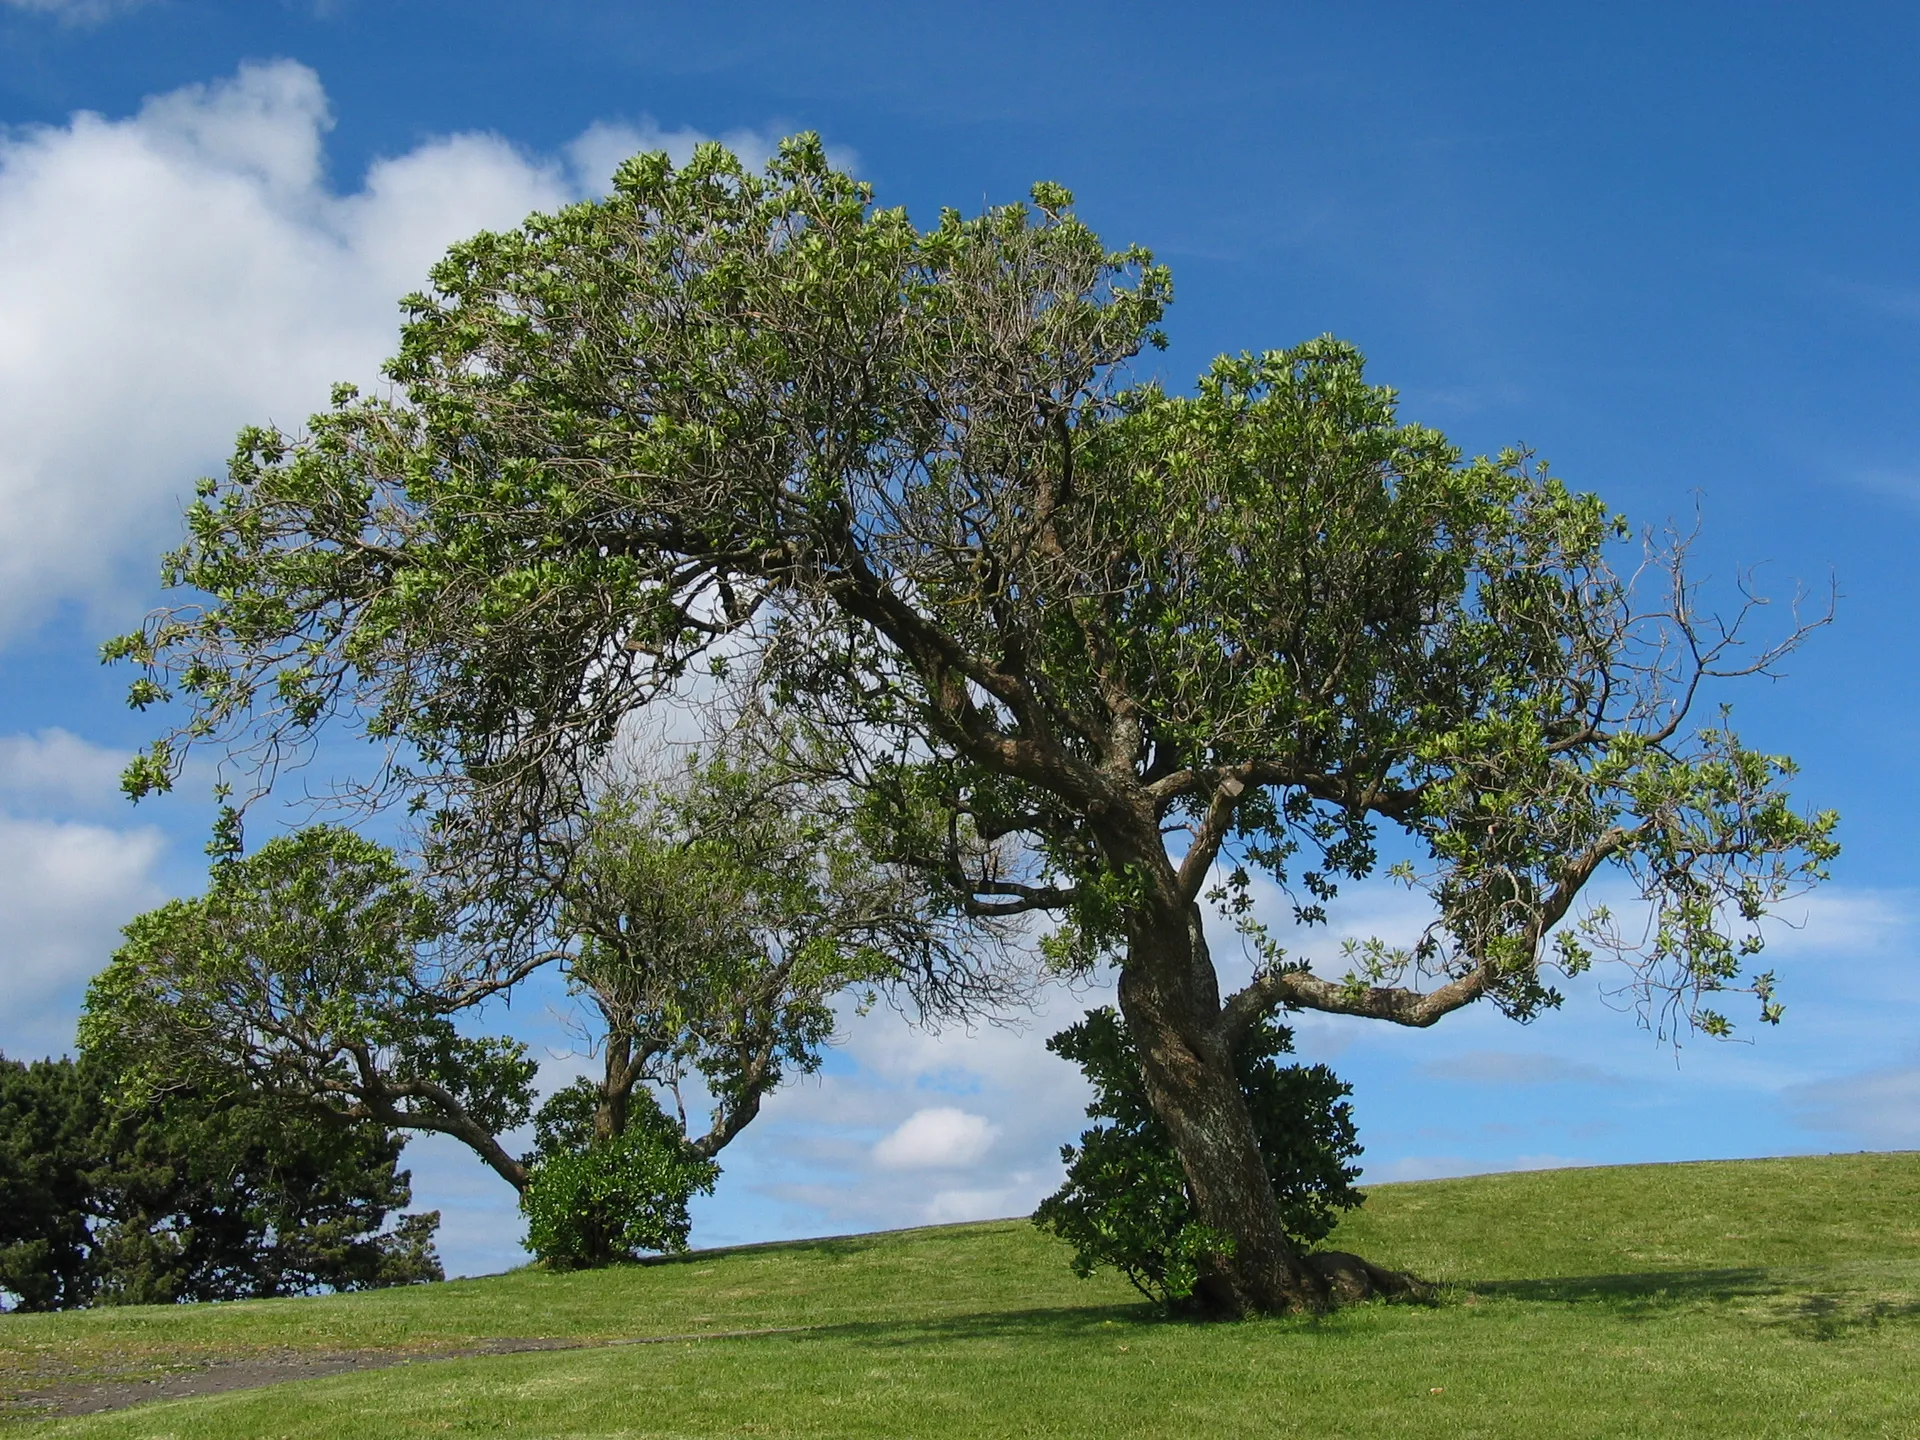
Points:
(251, 1372)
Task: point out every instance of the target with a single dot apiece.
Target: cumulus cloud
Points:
(906, 1127)
(66, 885)
(169, 277)
(942, 1138)
(57, 771)
(958, 1205)
(65, 889)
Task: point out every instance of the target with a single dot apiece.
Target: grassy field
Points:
(1774, 1297)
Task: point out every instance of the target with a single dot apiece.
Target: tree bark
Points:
(1171, 1000)
(616, 1087)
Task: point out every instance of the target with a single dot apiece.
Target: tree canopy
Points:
(304, 973)
(1084, 648)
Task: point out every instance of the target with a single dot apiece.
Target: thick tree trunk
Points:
(1171, 1000)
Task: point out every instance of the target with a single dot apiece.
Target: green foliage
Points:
(672, 264)
(187, 1196)
(299, 974)
(591, 1201)
(234, 1198)
(900, 480)
(1125, 1201)
(48, 1114)
(565, 1120)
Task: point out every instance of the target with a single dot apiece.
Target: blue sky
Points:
(1670, 247)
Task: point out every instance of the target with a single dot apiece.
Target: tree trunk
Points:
(616, 1088)
(1171, 1000)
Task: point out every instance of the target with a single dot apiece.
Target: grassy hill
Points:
(1770, 1297)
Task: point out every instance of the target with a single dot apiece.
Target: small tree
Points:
(1093, 651)
(717, 913)
(305, 974)
(594, 1198)
(48, 1114)
(238, 1197)
(715, 917)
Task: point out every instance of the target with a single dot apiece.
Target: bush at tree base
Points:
(591, 1200)
(1125, 1202)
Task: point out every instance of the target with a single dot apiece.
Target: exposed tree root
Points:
(1350, 1278)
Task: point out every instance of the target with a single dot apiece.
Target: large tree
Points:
(1092, 650)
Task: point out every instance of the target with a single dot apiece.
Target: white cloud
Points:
(825, 1155)
(954, 1207)
(58, 770)
(941, 1138)
(65, 890)
(1842, 920)
(169, 277)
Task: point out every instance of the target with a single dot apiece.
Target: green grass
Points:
(1777, 1297)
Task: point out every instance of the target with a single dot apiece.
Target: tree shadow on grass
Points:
(828, 1247)
(1046, 1323)
(1021, 1326)
(1827, 1316)
(1813, 1307)
(1646, 1291)
(1811, 1310)
(838, 1247)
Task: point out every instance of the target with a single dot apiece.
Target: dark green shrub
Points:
(49, 1111)
(1125, 1201)
(239, 1197)
(191, 1196)
(591, 1201)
